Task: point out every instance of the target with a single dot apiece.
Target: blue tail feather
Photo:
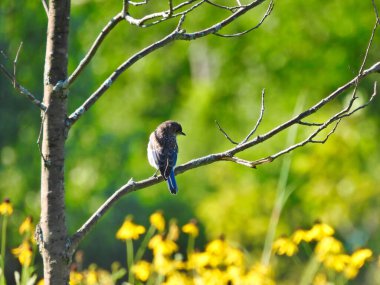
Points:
(172, 183)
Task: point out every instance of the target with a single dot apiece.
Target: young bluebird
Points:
(163, 150)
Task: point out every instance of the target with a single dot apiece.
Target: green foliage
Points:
(305, 49)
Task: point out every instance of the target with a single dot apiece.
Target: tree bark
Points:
(53, 237)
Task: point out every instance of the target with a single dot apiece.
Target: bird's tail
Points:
(172, 183)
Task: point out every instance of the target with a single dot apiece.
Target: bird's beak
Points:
(182, 133)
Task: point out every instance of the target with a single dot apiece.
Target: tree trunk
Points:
(53, 237)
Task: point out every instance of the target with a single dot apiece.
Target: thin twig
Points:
(15, 65)
(259, 119)
(267, 13)
(22, 90)
(39, 145)
(225, 134)
(229, 8)
(46, 8)
(309, 124)
(124, 12)
(138, 3)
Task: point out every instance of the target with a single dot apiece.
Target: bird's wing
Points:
(167, 161)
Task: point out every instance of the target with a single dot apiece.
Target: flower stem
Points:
(141, 250)
(190, 245)
(3, 242)
(130, 253)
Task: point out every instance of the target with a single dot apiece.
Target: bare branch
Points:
(105, 31)
(259, 119)
(240, 161)
(376, 12)
(15, 65)
(225, 134)
(309, 124)
(267, 13)
(108, 82)
(124, 12)
(46, 8)
(229, 8)
(229, 155)
(138, 3)
(22, 90)
(177, 34)
(164, 15)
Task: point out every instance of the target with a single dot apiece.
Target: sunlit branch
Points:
(229, 155)
(259, 119)
(229, 8)
(225, 134)
(105, 31)
(22, 90)
(177, 34)
(164, 15)
(15, 64)
(267, 13)
(46, 8)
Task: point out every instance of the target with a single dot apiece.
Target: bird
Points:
(163, 150)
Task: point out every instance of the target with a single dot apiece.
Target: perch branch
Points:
(229, 155)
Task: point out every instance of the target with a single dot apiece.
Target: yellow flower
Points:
(129, 230)
(157, 220)
(24, 253)
(173, 233)
(301, 235)
(91, 275)
(259, 274)
(6, 208)
(337, 262)
(351, 272)
(178, 278)
(142, 270)
(319, 231)
(164, 265)
(191, 228)
(26, 226)
(161, 246)
(217, 250)
(234, 256)
(75, 278)
(327, 246)
(41, 282)
(285, 246)
(198, 260)
(359, 257)
(320, 279)
(217, 246)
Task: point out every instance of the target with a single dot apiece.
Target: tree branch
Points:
(229, 155)
(22, 90)
(105, 31)
(267, 13)
(177, 34)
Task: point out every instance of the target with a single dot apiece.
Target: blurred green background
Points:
(304, 51)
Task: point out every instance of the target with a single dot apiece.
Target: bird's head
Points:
(173, 127)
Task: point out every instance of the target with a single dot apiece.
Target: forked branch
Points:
(177, 34)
